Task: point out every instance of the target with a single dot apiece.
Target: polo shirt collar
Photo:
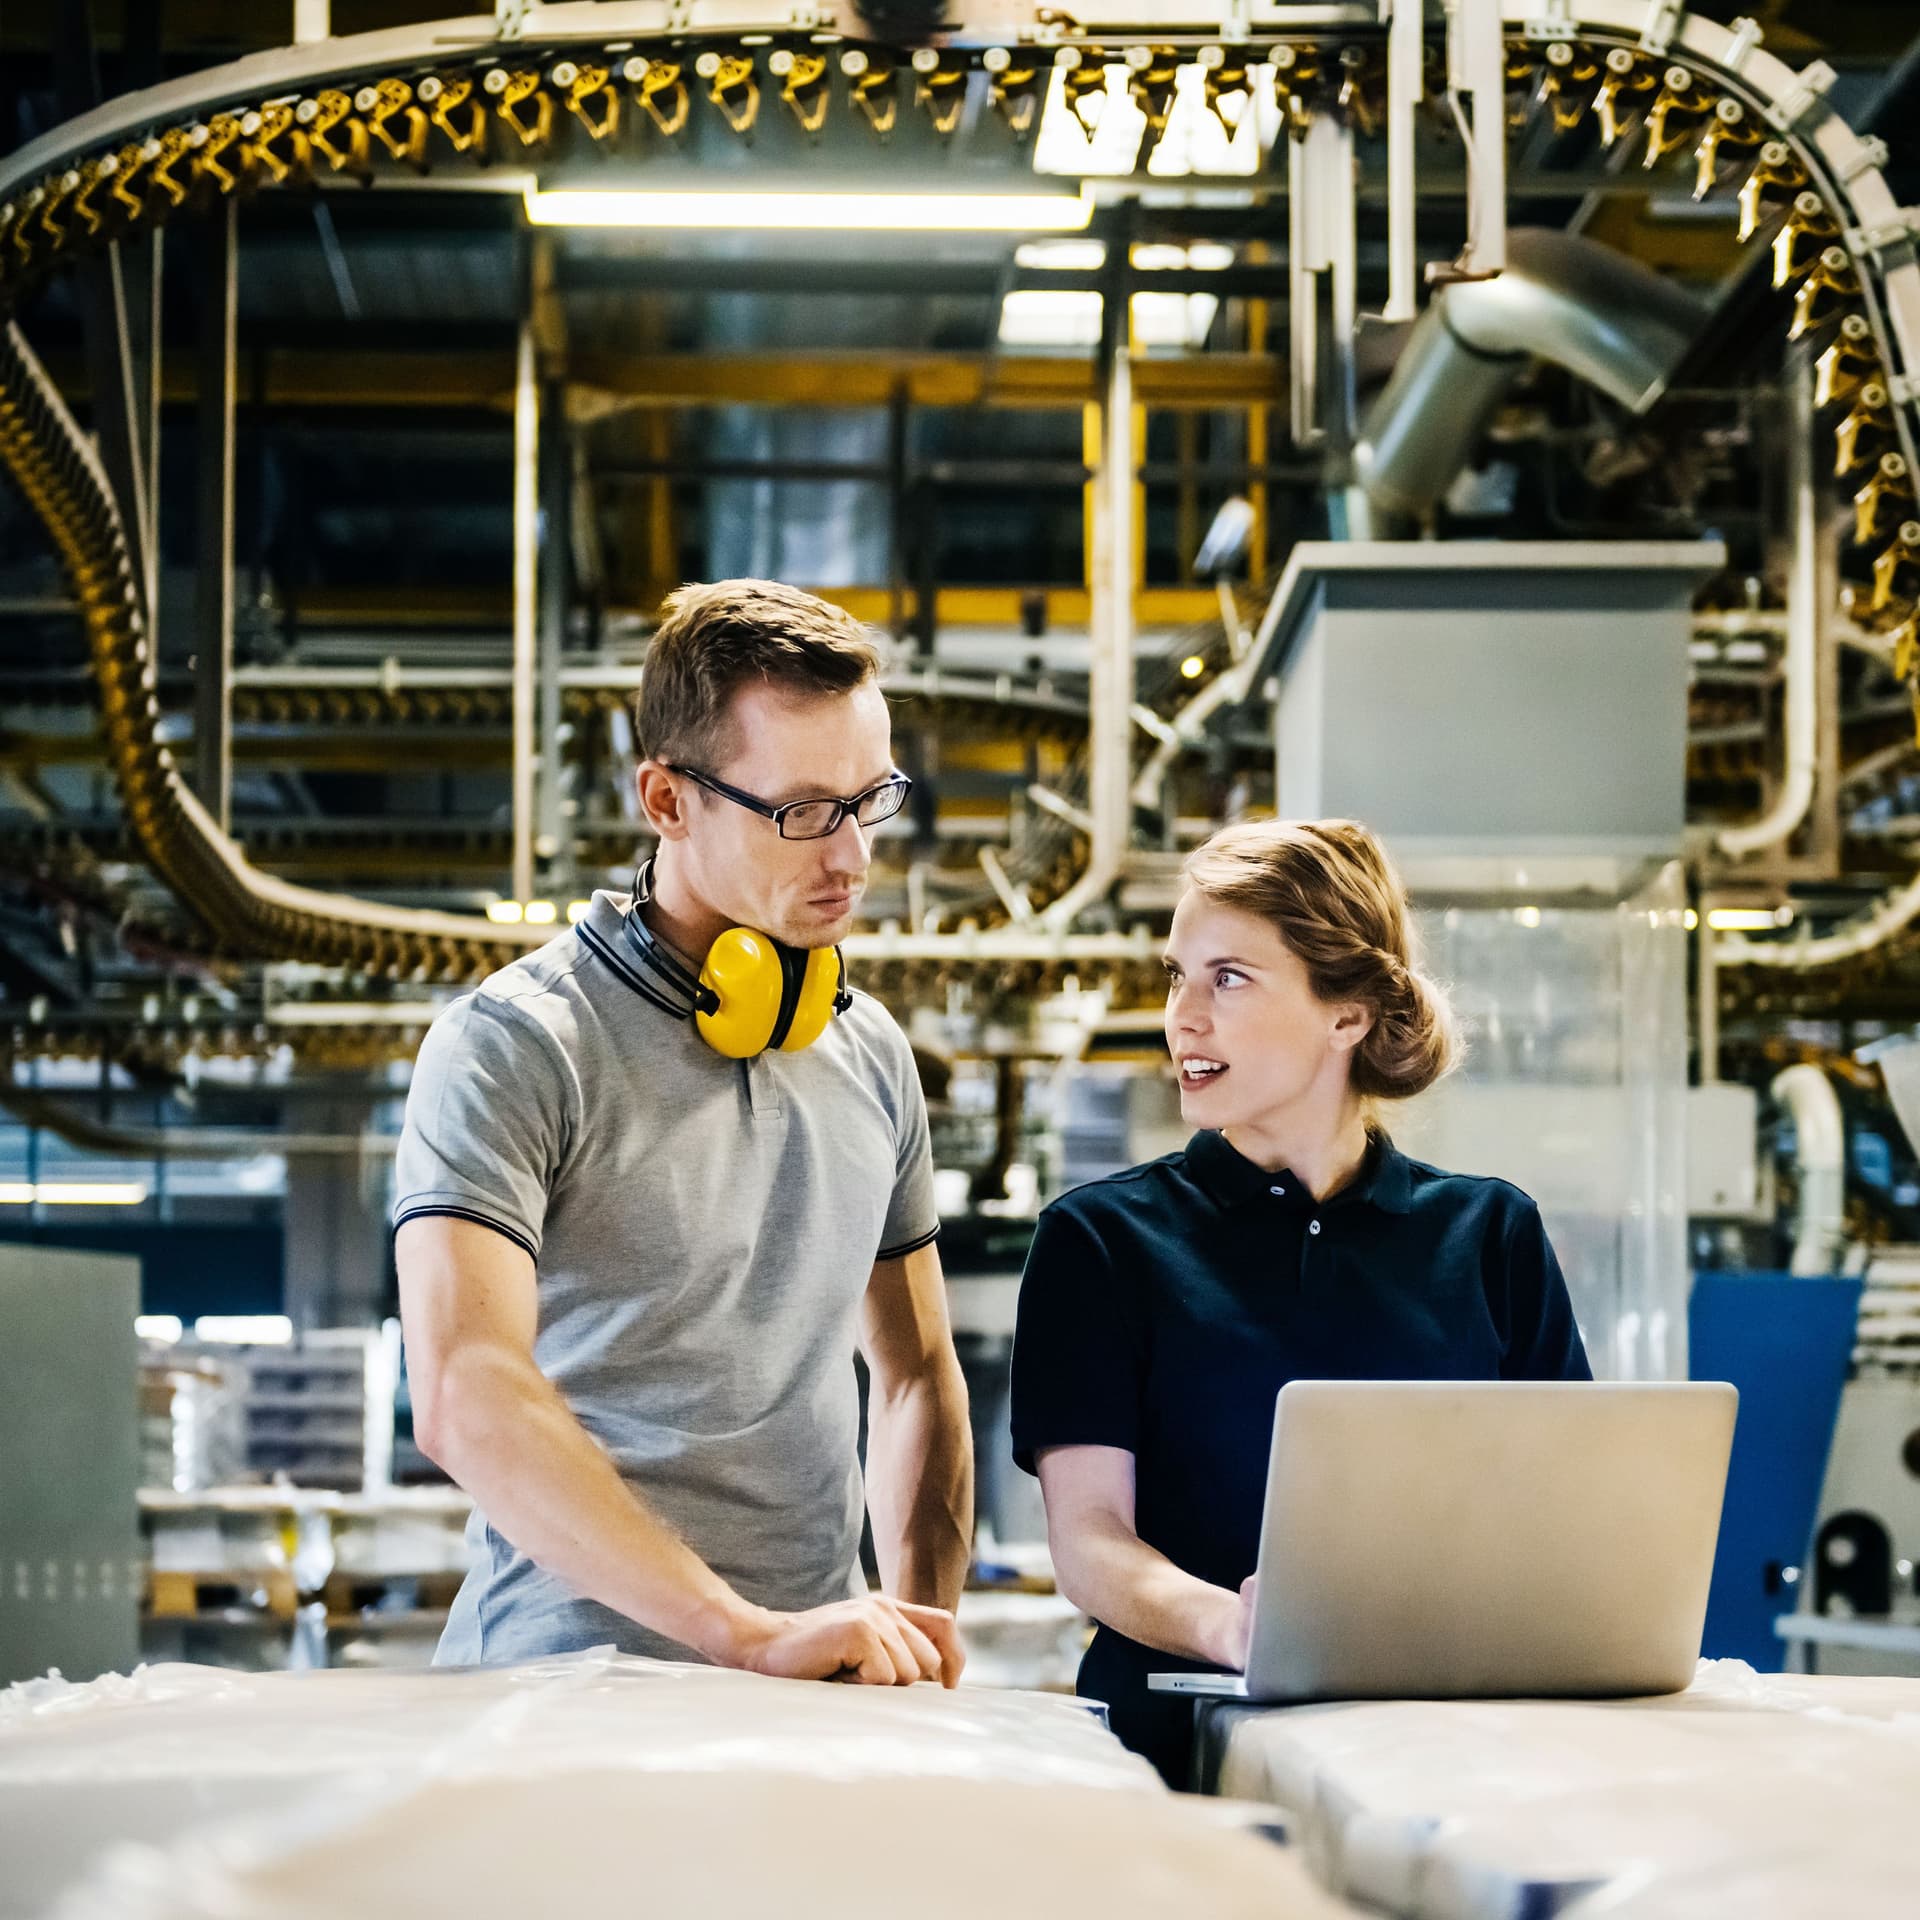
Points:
(1233, 1180)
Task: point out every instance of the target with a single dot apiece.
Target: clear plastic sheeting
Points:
(1574, 1088)
(750, 1845)
(141, 1758)
(1791, 1796)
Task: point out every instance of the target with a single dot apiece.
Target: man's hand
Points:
(876, 1641)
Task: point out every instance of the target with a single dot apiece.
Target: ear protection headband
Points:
(752, 994)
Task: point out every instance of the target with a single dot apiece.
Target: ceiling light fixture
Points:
(245, 1329)
(72, 1193)
(815, 212)
(1748, 919)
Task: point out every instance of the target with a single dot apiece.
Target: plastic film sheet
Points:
(141, 1758)
(1775, 1794)
(734, 1847)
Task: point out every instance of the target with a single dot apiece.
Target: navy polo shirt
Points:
(1164, 1308)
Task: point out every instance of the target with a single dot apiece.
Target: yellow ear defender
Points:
(753, 994)
(761, 995)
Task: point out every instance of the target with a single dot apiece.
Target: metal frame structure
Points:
(437, 93)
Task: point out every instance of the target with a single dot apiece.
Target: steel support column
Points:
(526, 568)
(552, 841)
(1111, 680)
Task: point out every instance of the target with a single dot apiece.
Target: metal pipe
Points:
(1050, 802)
(1820, 1155)
(1183, 731)
(1803, 637)
(1406, 84)
(526, 567)
(1477, 94)
(1707, 996)
(1899, 909)
(1320, 240)
(1110, 683)
(1013, 898)
(1615, 323)
(1236, 631)
(552, 845)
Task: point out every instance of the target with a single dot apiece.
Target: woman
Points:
(1163, 1308)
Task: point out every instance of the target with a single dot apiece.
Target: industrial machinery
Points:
(1293, 94)
(1551, 370)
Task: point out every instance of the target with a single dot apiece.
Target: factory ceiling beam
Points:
(598, 380)
(1067, 608)
(910, 279)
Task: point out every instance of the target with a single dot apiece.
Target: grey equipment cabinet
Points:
(69, 1463)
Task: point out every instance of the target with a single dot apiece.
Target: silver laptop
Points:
(1434, 1540)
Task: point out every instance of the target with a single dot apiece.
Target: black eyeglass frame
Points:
(896, 783)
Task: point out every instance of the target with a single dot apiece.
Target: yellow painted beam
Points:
(1258, 420)
(313, 377)
(1702, 250)
(1000, 606)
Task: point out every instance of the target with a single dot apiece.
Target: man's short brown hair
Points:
(714, 639)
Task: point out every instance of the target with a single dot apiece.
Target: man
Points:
(633, 1270)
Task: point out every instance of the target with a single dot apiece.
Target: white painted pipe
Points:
(1406, 87)
(1898, 909)
(1803, 642)
(1110, 688)
(526, 576)
(1820, 1156)
(312, 21)
(1186, 729)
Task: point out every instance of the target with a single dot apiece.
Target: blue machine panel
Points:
(1786, 1343)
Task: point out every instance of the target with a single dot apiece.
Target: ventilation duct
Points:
(1614, 323)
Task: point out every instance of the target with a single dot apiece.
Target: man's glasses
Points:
(814, 819)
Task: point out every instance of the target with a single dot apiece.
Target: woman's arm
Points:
(1542, 1336)
(1103, 1566)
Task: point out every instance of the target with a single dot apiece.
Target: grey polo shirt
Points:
(703, 1231)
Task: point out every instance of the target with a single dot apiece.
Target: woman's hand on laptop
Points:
(1228, 1628)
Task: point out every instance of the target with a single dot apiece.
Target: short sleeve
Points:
(1079, 1345)
(1543, 1340)
(486, 1123)
(913, 1220)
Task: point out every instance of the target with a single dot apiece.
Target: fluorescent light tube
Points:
(72, 1193)
(815, 212)
(245, 1329)
(1748, 919)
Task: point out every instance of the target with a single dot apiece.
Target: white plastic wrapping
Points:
(1783, 1795)
(736, 1846)
(141, 1758)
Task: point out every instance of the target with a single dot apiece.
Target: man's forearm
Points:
(508, 1438)
(920, 1487)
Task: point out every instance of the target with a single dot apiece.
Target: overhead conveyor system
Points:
(537, 86)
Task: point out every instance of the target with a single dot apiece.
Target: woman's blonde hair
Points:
(1329, 890)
